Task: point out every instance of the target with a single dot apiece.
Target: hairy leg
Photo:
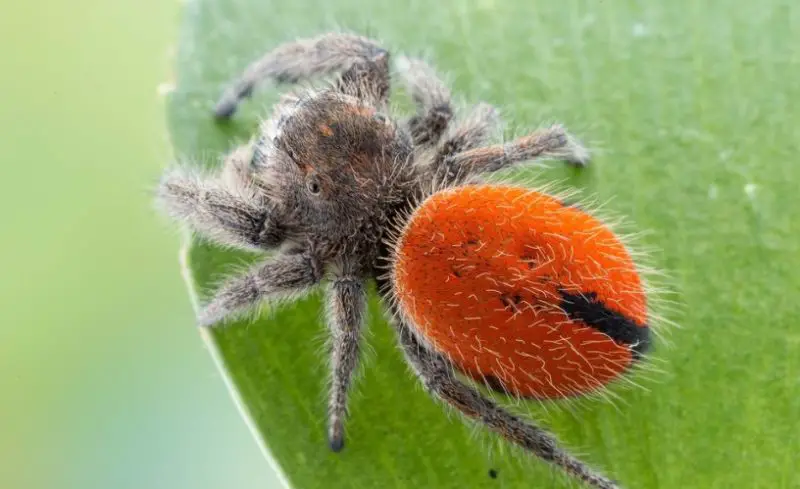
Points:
(280, 277)
(346, 306)
(470, 132)
(438, 377)
(295, 61)
(230, 215)
(552, 142)
(368, 79)
(432, 97)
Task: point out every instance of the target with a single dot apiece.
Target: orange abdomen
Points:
(520, 291)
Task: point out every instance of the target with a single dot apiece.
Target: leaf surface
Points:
(689, 103)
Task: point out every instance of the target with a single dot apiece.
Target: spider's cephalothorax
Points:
(335, 167)
(505, 285)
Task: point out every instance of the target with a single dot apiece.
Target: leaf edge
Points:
(212, 347)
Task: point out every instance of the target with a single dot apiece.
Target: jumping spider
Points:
(344, 193)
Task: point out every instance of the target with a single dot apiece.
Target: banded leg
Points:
(346, 306)
(470, 132)
(234, 215)
(283, 276)
(432, 98)
(295, 61)
(552, 142)
(367, 79)
(438, 377)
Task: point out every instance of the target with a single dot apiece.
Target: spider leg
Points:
(438, 377)
(296, 61)
(432, 98)
(367, 79)
(234, 215)
(346, 307)
(282, 276)
(552, 142)
(470, 132)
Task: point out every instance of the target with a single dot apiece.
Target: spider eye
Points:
(380, 118)
(313, 185)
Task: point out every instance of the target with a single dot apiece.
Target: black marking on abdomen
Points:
(588, 309)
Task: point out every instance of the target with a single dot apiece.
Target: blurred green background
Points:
(89, 271)
(104, 380)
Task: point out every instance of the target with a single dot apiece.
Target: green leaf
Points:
(690, 103)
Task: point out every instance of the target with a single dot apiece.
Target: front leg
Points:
(227, 211)
(368, 79)
(346, 306)
(552, 142)
(296, 61)
(279, 278)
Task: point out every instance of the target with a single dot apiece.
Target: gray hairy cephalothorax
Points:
(329, 176)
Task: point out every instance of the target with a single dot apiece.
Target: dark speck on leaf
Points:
(493, 473)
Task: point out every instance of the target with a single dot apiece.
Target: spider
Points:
(488, 285)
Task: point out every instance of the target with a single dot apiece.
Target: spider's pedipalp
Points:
(439, 378)
(283, 276)
(432, 97)
(233, 215)
(346, 306)
(296, 61)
